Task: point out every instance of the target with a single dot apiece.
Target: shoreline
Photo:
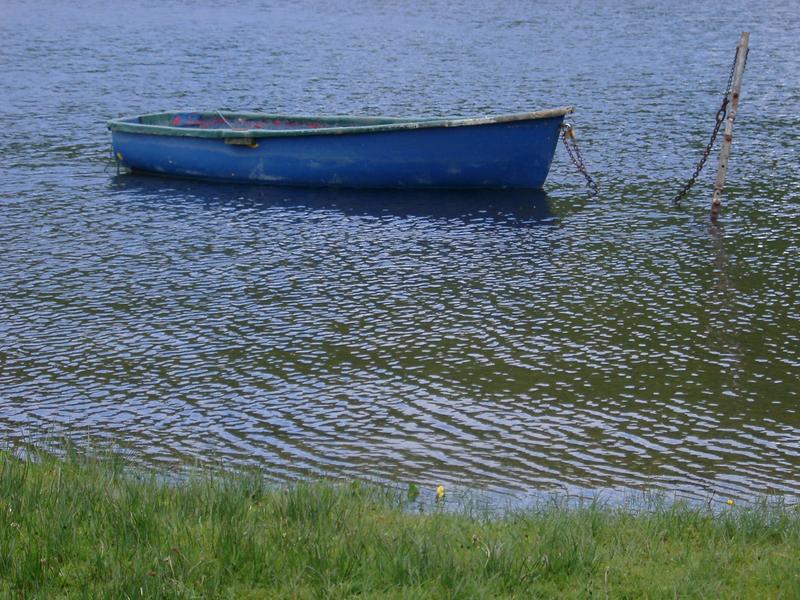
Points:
(76, 525)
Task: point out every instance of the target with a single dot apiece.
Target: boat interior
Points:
(250, 121)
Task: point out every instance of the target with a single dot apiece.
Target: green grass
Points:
(92, 528)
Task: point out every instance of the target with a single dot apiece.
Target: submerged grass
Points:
(91, 528)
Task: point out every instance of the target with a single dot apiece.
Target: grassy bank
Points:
(90, 528)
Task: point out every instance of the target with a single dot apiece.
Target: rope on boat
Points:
(224, 120)
(574, 151)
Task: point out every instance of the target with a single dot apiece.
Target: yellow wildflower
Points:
(730, 502)
(440, 492)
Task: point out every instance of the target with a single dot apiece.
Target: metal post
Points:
(725, 152)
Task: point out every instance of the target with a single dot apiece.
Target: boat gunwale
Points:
(371, 124)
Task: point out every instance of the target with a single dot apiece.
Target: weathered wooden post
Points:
(725, 152)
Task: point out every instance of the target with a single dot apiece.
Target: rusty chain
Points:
(567, 135)
(720, 118)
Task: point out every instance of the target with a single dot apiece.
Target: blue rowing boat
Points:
(507, 151)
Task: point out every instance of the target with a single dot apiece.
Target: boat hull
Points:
(514, 154)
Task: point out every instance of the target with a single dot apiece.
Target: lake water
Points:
(506, 343)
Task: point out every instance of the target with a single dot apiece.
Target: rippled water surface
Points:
(507, 342)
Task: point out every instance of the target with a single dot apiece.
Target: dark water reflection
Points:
(511, 208)
(509, 342)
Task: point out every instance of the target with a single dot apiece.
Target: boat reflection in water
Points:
(512, 208)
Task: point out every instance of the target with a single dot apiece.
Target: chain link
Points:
(567, 135)
(720, 118)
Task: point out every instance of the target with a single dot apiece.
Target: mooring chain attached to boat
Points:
(113, 157)
(720, 119)
(568, 135)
